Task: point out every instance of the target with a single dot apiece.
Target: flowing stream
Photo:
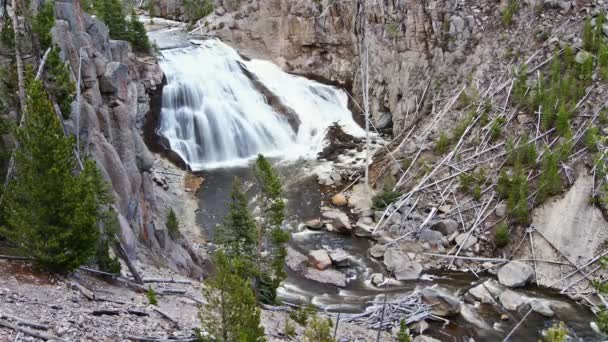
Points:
(219, 110)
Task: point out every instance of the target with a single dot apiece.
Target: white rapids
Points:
(213, 115)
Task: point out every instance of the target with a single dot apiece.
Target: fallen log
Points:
(22, 321)
(37, 334)
(166, 280)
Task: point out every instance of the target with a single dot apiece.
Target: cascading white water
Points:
(213, 115)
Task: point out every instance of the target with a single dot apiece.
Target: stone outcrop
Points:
(116, 88)
(515, 274)
(409, 41)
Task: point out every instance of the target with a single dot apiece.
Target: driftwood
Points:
(88, 294)
(166, 280)
(107, 312)
(167, 317)
(409, 307)
(160, 339)
(22, 321)
(37, 334)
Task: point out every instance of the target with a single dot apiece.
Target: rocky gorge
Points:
(431, 248)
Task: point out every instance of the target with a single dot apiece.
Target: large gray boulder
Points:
(515, 274)
(488, 292)
(445, 227)
(298, 262)
(443, 301)
(338, 220)
(319, 259)
(378, 250)
(428, 235)
(512, 300)
(400, 264)
(364, 227)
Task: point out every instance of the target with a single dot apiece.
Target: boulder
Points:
(428, 235)
(331, 276)
(394, 259)
(444, 303)
(378, 250)
(339, 257)
(542, 307)
(360, 198)
(487, 292)
(445, 227)
(339, 199)
(512, 300)
(364, 227)
(314, 224)
(377, 279)
(515, 274)
(461, 240)
(319, 259)
(338, 220)
(410, 246)
(411, 270)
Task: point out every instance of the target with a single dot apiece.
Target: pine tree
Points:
(550, 182)
(404, 333)
(272, 209)
(520, 87)
(562, 121)
(151, 294)
(231, 313)
(238, 234)
(137, 34)
(61, 86)
(318, 330)
(517, 201)
(110, 228)
(50, 210)
(172, 225)
(43, 23)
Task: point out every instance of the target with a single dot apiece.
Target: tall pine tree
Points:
(231, 313)
(238, 234)
(270, 233)
(51, 210)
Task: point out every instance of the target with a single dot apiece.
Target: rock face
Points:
(515, 274)
(444, 303)
(410, 41)
(116, 88)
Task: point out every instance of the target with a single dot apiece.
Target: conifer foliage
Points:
(231, 313)
(50, 209)
(112, 13)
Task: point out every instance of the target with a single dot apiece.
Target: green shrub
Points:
(302, 314)
(384, 199)
(509, 12)
(404, 333)
(443, 144)
(520, 87)
(290, 329)
(477, 192)
(557, 333)
(501, 235)
(517, 199)
(496, 128)
(550, 181)
(592, 137)
(197, 9)
(562, 121)
(43, 23)
(151, 294)
(173, 225)
(318, 330)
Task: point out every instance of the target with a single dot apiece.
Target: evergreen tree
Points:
(517, 201)
(238, 234)
(404, 333)
(270, 233)
(550, 182)
(231, 313)
(151, 294)
(562, 121)
(318, 330)
(172, 225)
(43, 23)
(112, 14)
(520, 88)
(110, 227)
(51, 212)
(137, 34)
(61, 86)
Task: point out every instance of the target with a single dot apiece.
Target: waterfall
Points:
(216, 110)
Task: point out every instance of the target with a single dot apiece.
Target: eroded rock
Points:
(515, 274)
